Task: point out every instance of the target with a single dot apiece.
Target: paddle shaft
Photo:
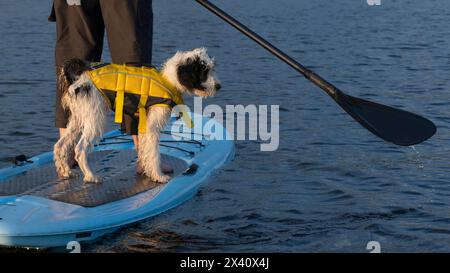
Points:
(308, 74)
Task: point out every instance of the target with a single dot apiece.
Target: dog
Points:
(187, 72)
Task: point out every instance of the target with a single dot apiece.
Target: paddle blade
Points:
(391, 124)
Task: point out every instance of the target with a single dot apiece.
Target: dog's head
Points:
(73, 72)
(192, 72)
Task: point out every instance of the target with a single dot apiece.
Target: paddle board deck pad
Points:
(37, 209)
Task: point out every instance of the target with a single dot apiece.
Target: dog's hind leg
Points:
(63, 150)
(81, 153)
(148, 153)
(92, 129)
(91, 111)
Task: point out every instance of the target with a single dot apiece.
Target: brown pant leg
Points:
(129, 27)
(79, 34)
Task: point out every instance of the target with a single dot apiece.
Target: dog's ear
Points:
(69, 72)
(62, 82)
(193, 73)
(73, 68)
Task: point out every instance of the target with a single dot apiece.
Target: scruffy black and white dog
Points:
(189, 72)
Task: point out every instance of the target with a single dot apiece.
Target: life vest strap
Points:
(120, 97)
(186, 117)
(145, 86)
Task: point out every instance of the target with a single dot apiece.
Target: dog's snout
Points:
(218, 86)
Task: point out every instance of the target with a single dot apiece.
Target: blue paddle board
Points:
(37, 209)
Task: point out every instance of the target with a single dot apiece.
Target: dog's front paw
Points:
(93, 179)
(161, 178)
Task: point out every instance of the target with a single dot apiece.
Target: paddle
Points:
(391, 124)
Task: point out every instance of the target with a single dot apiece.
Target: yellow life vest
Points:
(143, 81)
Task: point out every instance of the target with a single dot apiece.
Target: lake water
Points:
(331, 186)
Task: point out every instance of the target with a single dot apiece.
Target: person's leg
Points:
(79, 34)
(130, 125)
(129, 27)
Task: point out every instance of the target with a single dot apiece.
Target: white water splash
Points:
(418, 159)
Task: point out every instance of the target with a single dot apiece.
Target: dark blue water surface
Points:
(331, 186)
